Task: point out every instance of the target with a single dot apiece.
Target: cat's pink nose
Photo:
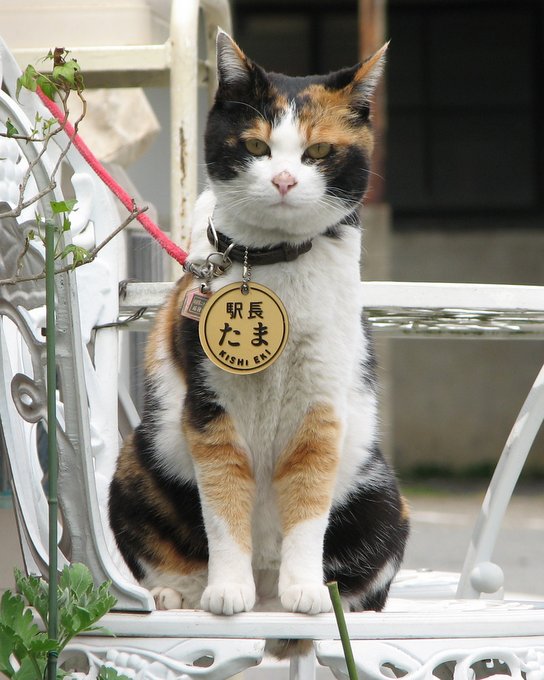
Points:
(284, 182)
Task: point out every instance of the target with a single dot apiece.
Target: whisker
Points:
(231, 101)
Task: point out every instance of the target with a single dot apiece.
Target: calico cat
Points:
(238, 489)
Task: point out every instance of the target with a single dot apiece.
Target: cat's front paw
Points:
(228, 598)
(306, 598)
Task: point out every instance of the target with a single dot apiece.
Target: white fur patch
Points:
(168, 438)
(231, 587)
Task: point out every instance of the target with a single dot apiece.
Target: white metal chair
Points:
(427, 630)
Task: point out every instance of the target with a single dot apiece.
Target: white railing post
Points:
(184, 119)
(184, 105)
(501, 487)
(303, 667)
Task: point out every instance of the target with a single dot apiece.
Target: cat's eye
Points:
(257, 147)
(319, 150)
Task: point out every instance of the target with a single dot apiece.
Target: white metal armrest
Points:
(411, 309)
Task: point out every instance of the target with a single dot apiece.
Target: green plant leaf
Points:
(10, 606)
(49, 88)
(20, 638)
(29, 586)
(109, 673)
(35, 591)
(77, 579)
(27, 80)
(78, 253)
(11, 130)
(80, 603)
(48, 124)
(14, 615)
(69, 72)
(42, 644)
(30, 669)
(8, 641)
(65, 206)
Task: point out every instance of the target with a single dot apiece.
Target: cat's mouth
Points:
(284, 202)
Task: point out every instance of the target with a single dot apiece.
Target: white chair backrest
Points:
(86, 354)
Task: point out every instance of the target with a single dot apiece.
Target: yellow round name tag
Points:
(243, 332)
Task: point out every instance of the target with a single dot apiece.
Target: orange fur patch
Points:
(162, 334)
(261, 129)
(305, 472)
(226, 480)
(326, 116)
(369, 64)
(404, 509)
(168, 559)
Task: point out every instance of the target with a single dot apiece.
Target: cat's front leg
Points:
(227, 489)
(304, 481)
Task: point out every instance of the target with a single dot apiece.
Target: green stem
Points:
(36, 665)
(342, 629)
(52, 627)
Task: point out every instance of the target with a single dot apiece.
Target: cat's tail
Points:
(285, 649)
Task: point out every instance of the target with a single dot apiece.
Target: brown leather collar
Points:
(283, 252)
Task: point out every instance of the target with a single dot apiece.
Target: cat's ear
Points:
(367, 76)
(233, 67)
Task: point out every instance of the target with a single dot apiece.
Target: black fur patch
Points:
(347, 172)
(364, 534)
(201, 405)
(235, 109)
(137, 517)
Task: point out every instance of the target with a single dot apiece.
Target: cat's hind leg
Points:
(167, 598)
(157, 523)
(366, 537)
(176, 591)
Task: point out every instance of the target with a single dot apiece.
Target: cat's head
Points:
(288, 157)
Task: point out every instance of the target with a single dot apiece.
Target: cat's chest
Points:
(322, 300)
(320, 290)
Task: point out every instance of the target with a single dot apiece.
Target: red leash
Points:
(171, 248)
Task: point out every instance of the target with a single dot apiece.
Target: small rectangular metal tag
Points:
(193, 304)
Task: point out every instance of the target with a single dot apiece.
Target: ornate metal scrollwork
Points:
(419, 660)
(29, 294)
(29, 397)
(187, 658)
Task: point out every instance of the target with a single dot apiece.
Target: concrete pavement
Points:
(442, 523)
